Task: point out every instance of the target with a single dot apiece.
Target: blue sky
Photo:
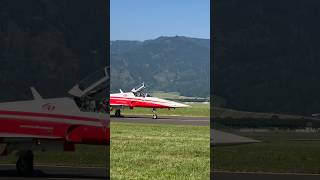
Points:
(149, 19)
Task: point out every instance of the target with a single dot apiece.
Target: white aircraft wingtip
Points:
(185, 105)
(179, 105)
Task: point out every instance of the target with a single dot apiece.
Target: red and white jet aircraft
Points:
(54, 124)
(138, 98)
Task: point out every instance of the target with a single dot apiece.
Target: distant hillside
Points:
(170, 64)
(266, 55)
(49, 45)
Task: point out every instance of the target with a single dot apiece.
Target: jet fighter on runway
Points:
(55, 124)
(138, 98)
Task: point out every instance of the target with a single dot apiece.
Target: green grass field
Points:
(85, 156)
(276, 153)
(149, 151)
(196, 109)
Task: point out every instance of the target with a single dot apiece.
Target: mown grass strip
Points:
(149, 151)
(84, 156)
(275, 154)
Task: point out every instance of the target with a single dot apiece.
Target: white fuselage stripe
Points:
(53, 120)
(166, 103)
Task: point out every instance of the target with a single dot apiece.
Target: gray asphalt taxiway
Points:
(55, 172)
(178, 120)
(262, 176)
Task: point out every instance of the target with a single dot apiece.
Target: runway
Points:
(262, 176)
(177, 120)
(55, 172)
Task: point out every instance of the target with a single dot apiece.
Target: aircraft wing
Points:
(220, 138)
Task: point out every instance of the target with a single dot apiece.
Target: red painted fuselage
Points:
(131, 100)
(62, 121)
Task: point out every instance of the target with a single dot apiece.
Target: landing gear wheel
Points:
(154, 116)
(24, 164)
(117, 113)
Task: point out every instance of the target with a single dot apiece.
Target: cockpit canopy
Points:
(94, 86)
(90, 94)
(142, 94)
(140, 91)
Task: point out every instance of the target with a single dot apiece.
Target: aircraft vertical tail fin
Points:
(36, 95)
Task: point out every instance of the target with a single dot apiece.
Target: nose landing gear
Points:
(154, 116)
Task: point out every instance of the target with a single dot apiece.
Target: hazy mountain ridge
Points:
(267, 55)
(48, 44)
(170, 64)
